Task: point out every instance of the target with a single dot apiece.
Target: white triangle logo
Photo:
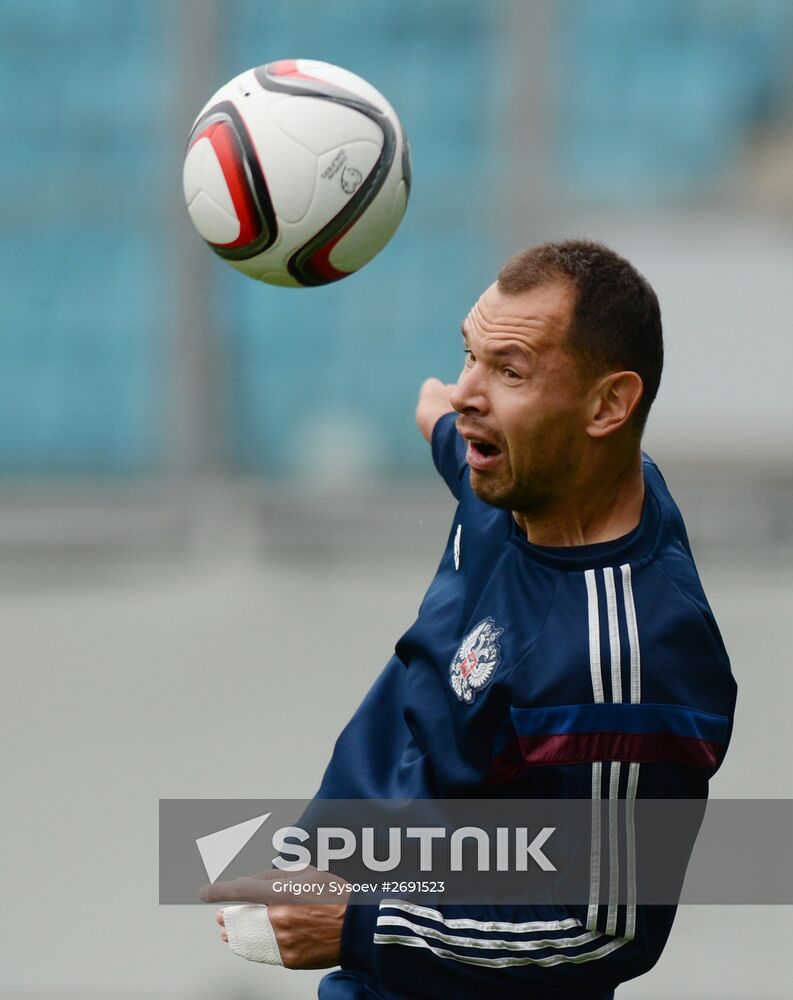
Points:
(219, 849)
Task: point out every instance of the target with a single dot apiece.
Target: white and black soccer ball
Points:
(297, 172)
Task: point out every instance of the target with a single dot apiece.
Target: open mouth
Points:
(481, 454)
(484, 449)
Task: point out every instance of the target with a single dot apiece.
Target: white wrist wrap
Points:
(251, 934)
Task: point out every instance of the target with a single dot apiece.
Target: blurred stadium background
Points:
(216, 515)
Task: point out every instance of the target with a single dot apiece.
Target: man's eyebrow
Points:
(508, 350)
(502, 350)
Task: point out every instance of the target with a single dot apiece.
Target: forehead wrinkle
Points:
(533, 332)
(503, 337)
(505, 349)
(511, 347)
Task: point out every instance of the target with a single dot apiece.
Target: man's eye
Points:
(510, 373)
(469, 356)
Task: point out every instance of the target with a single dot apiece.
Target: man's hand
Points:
(433, 403)
(308, 934)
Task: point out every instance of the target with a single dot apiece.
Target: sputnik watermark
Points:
(508, 850)
(512, 850)
(488, 851)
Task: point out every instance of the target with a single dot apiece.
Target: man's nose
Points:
(469, 394)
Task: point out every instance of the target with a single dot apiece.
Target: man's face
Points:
(521, 398)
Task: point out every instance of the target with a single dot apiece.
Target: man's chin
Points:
(508, 496)
(489, 491)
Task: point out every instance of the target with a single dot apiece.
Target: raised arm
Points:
(432, 404)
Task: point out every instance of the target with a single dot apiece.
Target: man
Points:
(569, 575)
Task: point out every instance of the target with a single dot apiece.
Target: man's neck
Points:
(599, 508)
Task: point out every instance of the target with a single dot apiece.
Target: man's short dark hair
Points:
(616, 321)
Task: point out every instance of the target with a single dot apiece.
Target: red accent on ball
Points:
(222, 138)
(320, 261)
(289, 67)
(284, 67)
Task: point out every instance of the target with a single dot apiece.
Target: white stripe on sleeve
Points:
(594, 635)
(614, 635)
(633, 634)
(409, 941)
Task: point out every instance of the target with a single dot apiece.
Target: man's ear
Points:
(614, 400)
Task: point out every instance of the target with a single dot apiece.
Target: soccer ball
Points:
(297, 173)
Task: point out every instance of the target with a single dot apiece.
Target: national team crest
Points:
(476, 660)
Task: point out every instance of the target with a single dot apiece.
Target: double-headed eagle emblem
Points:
(476, 660)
